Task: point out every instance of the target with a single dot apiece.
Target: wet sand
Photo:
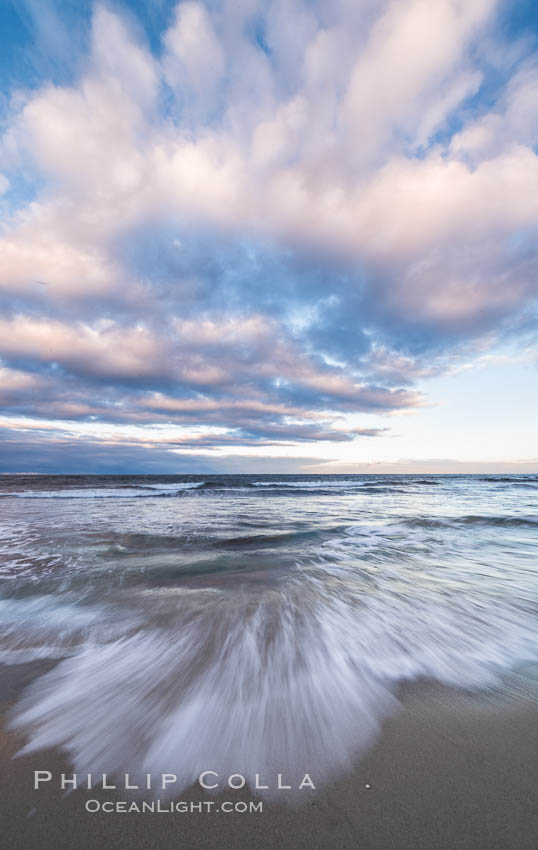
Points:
(450, 770)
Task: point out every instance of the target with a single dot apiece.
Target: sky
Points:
(268, 236)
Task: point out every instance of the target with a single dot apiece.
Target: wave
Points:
(181, 645)
(186, 485)
(510, 479)
(296, 679)
(254, 541)
(343, 483)
(44, 626)
(136, 492)
(244, 485)
(174, 489)
(529, 521)
(309, 484)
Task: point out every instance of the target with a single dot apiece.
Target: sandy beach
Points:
(268, 444)
(450, 770)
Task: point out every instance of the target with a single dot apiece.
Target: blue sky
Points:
(268, 236)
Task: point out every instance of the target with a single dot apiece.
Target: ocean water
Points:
(256, 624)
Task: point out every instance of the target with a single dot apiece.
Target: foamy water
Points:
(256, 625)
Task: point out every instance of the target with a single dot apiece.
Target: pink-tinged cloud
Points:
(286, 216)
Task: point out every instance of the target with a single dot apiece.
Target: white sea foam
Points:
(47, 627)
(296, 680)
(185, 485)
(108, 492)
(310, 484)
(185, 667)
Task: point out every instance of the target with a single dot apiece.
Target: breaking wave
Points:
(254, 635)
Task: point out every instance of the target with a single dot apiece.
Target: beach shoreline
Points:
(450, 769)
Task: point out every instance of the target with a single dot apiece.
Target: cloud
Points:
(15, 385)
(512, 122)
(194, 58)
(212, 355)
(410, 57)
(281, 215)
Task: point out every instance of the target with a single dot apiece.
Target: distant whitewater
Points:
(255, 624)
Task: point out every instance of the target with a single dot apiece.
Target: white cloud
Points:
(413, 48)
(311, 127)
(512, 123)
(303, 172)
(194, 59)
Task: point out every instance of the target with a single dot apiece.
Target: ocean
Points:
(256, 624)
